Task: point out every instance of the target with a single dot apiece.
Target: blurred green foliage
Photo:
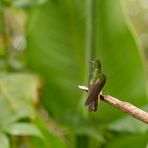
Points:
(17, 99)
(62, 36)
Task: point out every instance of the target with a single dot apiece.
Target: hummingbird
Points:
(96, 82)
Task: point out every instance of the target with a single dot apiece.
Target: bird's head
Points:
(96, 64)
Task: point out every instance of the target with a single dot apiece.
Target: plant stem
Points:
(90, 35)
(126, 107)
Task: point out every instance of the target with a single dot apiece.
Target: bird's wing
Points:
(95, 90)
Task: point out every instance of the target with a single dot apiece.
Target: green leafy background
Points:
(46, 108)
(57, 50)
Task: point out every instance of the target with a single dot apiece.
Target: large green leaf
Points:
(56, 49)
(23, 129)
(121, 57)
(18, 95)
(53, 137)
(4, 141)
(56, 36)
(58, 54)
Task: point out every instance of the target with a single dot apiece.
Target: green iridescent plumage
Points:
(96, 82)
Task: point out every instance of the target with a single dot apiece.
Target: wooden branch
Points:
(124, 106)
